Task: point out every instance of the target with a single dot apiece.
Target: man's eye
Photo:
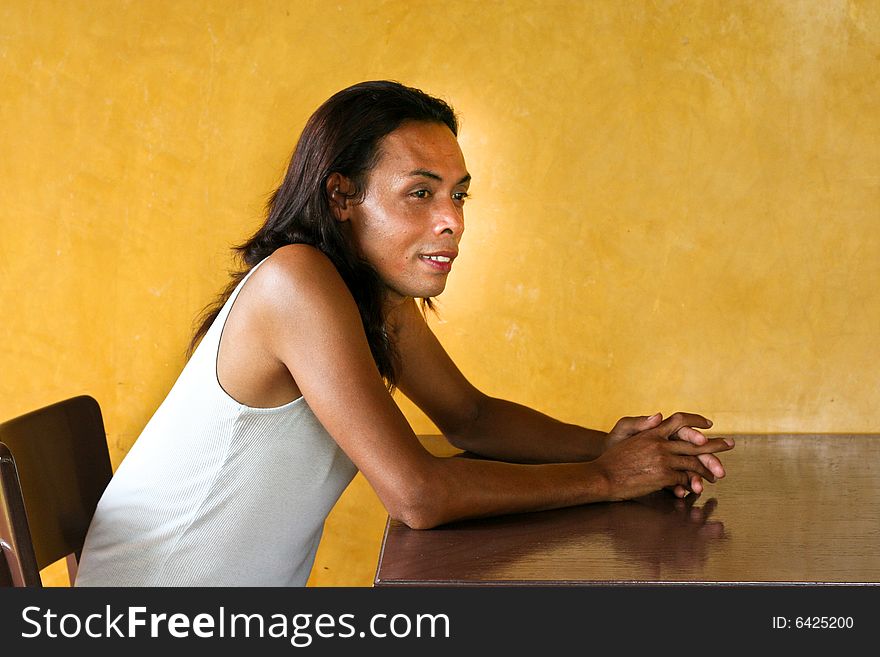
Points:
(421, 193)
(460, 196)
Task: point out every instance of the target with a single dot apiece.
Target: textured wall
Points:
(676, 205)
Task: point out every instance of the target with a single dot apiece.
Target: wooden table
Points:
(792, 509)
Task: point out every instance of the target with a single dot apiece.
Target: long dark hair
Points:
(342, 136)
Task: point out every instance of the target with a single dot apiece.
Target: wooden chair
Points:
(18, 565)
(54, 467)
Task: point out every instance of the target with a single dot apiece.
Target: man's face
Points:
(412, 216)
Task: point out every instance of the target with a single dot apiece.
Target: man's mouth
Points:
(440, 262)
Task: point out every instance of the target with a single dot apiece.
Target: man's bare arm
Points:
(310, 323)
(493, 427)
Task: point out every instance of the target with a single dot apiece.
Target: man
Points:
(288, 391)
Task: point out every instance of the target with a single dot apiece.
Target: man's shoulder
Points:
(297, 265)
(298, 275)
(297, 260)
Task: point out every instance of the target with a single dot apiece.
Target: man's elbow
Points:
(417, 520)
(420, 507)
(464, 434)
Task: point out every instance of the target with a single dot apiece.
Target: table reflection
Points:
(643, 539)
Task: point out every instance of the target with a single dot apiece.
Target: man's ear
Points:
(339, 190)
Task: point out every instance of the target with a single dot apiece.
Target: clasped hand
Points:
(645, 454)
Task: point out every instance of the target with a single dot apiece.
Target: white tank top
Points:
(216, 493)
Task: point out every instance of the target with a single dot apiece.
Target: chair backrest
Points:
(62, 461)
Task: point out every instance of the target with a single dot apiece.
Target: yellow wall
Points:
(676, 204)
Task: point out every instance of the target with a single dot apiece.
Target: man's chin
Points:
(435, 291)
(424, 291)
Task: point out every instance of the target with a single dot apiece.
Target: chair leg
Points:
(71, 567)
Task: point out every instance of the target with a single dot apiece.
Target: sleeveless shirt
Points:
(216, 493)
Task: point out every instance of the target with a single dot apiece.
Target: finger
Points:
(712, 446)
(682, 480)
(692, 466)
(676, 421)
(691, 496)
(713, 463)
(651, 422)
(690, 435)
(694, 485)
(685, 493)
(678, 491)
(633, 425)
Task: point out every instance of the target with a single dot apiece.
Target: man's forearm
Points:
(508, 431)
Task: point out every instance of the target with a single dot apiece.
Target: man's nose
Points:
(449, 219)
